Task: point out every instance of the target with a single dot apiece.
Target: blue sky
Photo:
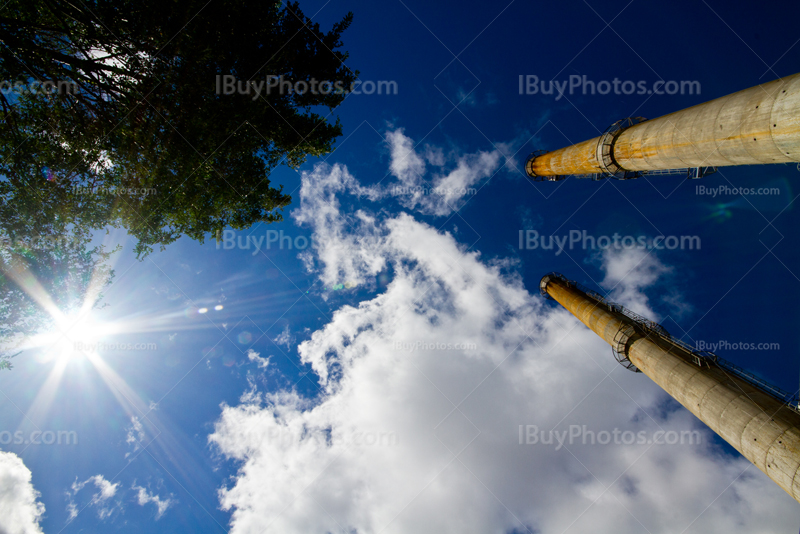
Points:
(299, 406)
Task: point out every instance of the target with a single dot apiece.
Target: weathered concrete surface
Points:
(760, 427)
(754, 126)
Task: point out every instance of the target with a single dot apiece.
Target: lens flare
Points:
(245, 337)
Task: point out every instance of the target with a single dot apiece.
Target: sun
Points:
(73, 336)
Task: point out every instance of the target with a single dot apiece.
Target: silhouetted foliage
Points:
(137, 110)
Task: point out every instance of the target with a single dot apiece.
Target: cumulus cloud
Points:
(458, 401)
(100, 500)
(337, 234)
(427, 181)
(20, 510)
(144, 497)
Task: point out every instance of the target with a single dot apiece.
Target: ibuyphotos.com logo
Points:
(47, 87)
(228, 85)
(270, 240)
(530, 84)
(581, 435)
(577, 239)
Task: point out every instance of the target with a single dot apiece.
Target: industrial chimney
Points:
(755, 126)
(757, 419)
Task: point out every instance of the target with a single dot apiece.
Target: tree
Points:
(138, 108)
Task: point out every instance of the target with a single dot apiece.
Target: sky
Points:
(382, 360)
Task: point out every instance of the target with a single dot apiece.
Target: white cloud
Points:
(443, 192)
(20, 510)
(406, 165)
(628, 272)
(144, 497)
(334, 238)
(339, 234)
(434, 155)
(284, 338)
(427, 386)
(254, 356)
(107, 490)
(439, 193)
(135, 435)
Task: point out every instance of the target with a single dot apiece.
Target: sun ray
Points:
(44, 397)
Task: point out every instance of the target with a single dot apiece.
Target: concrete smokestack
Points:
(755, 418)
(751, 127)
